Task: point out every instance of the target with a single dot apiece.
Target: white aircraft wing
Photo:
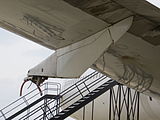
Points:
(98, 33)
(51, 23)
(146, 16)
(59, 23)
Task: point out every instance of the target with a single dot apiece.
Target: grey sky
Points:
(155, 2)
(18, 55)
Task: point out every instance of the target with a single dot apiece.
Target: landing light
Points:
(154, 2)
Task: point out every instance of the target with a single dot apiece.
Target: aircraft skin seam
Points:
(91, 42)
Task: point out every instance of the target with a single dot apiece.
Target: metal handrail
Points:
(70, 88)
(15, 105)
(66, 91)
(98, 78)
(95, 82)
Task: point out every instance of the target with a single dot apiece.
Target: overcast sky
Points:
(17, 56)
(155, 2)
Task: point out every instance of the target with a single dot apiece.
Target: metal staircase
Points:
(84, 100)
(62, 105)
(28, 101)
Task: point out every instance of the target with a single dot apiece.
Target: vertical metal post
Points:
(119, 111)
(57, 90)
(110, 104)
(3, 114)
(86, 86)
(92, 110)
(45, 109)
(79, 90)
(57, 106)
(138, 95)
(128, 111)
(28, 110)
(46, 88)
(84, 110)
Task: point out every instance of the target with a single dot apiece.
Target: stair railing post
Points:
(128, 104)
(86, 86)
(119, 111)
(3, 114)
(110, 104)
(138, 95)
(57, 105)
(28, 110)
(92, 117)
(79, 90)
(46, 88)
(84, 110)
(45, 109)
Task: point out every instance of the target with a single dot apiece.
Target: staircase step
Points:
(81, 100)
(66, 110)
(95, 91)
(85, 100)
(77, 103)
(86, 97)
(56, 116)
(71, 106)
(106, 84)
(61, 113)
(100, 88)
(90, 94)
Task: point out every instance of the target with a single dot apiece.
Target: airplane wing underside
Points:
(59, 23)
(146, 16)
